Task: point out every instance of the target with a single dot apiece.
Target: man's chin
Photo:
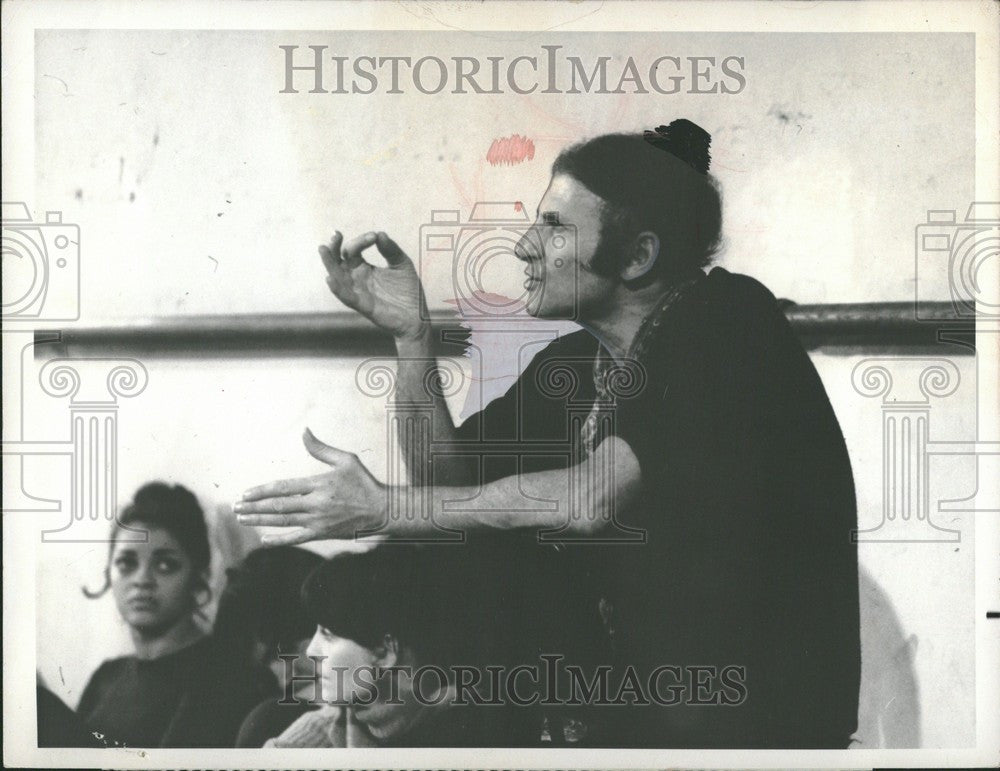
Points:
(546, 314)
(536, 309)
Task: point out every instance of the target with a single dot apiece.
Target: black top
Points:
(58, 725)
(190, 698)
(269, 719)
(747, 509)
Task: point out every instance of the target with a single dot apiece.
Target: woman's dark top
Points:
(269, 719)
(58, 725)
(190, 698)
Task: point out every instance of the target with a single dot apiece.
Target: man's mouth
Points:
(142, 603)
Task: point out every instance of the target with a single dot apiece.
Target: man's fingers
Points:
(292, 504)
(323, 452)
(351, 251)
(274, 520)
(281, 488)
(291, 538)
(331, 253)
(331, 260)
(389, 249)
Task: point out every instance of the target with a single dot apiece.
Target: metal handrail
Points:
(837, 328)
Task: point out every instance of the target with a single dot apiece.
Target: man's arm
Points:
(419, 392)
(586, 498)
(348, 501)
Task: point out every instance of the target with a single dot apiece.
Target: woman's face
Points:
(153, 582)
(301, 667)
(340, 668)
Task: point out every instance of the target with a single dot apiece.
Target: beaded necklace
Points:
(613, 379)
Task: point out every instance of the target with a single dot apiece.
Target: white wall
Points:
(199, 189)
(828, 157)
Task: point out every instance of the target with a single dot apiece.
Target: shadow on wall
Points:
(888, 709)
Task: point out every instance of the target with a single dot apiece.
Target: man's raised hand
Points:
(391, 297)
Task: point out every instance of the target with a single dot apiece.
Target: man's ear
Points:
(642, 256)
(388, 652)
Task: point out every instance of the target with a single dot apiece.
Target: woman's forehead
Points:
(143, 538)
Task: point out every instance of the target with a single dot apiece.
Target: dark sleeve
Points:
(492, 419)
(530, 427)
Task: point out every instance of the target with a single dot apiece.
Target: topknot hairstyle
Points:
(684, 139)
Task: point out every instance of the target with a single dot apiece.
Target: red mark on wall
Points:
(518, 206)
(510, 150)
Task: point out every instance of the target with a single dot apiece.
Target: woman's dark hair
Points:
(658, 182)
(171, 508)
(421, 596)
(262, 600)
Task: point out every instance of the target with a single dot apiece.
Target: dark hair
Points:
(646, 186)
(263, 600)
(421, 596)
(171, 508)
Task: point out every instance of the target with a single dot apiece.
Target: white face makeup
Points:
(558, 248)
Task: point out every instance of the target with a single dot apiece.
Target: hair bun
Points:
(685, 140)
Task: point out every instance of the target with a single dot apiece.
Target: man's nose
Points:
(528, 246)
